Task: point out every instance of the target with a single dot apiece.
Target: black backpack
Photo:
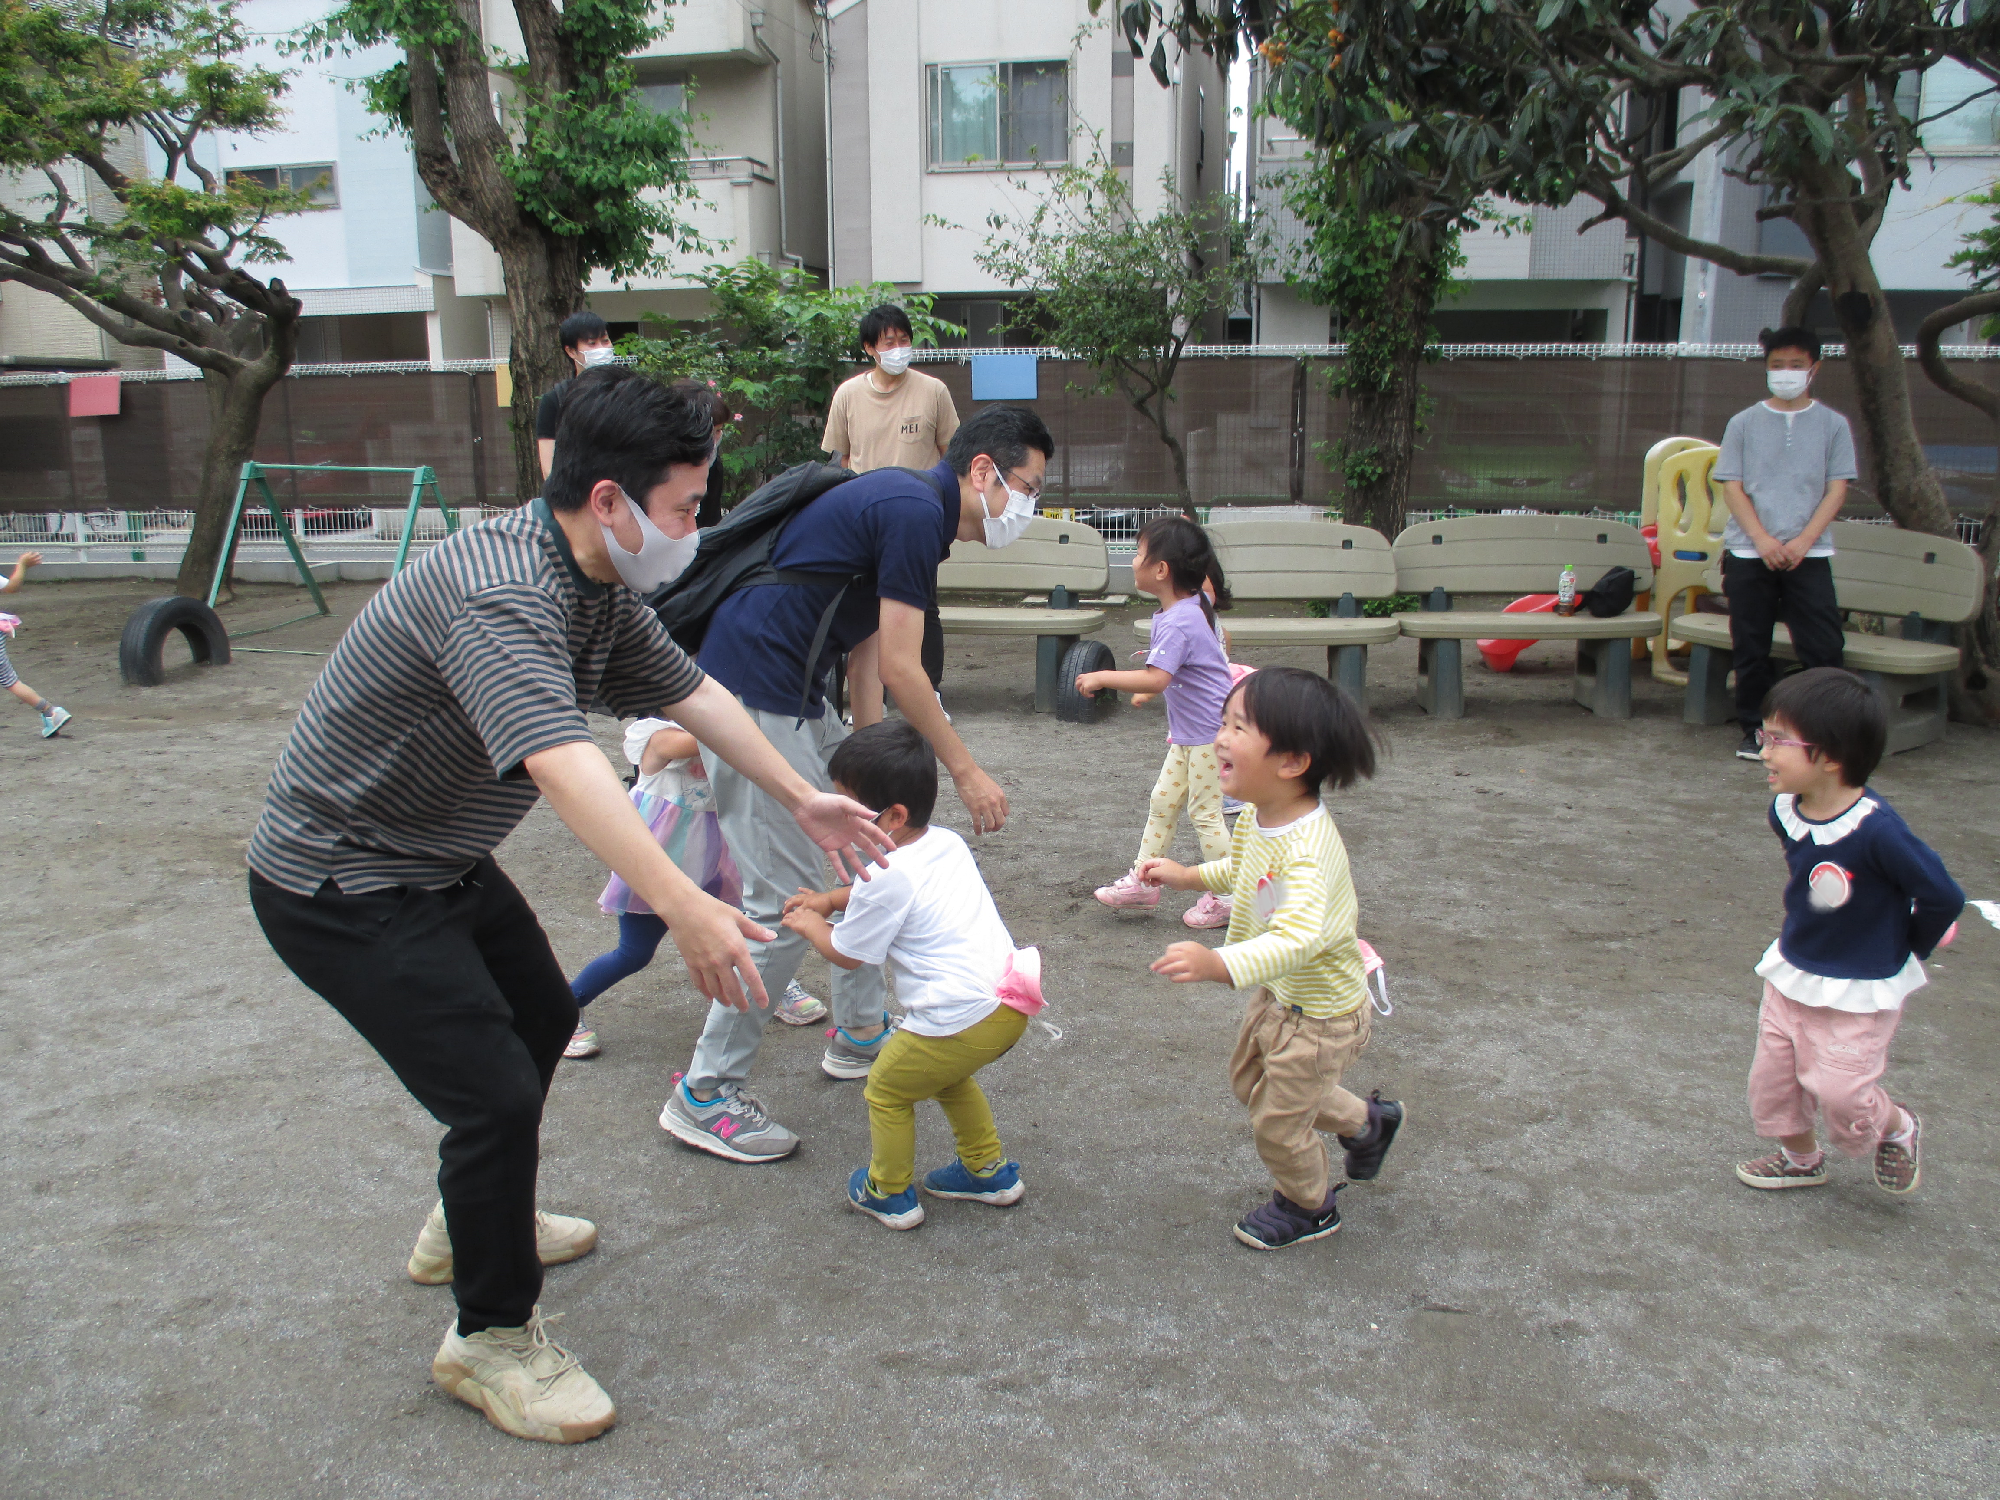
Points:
(1612, 594)
(736, 554)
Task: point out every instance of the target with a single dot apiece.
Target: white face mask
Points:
(1011, 522)
(1788, 385)
(894, 361)
(597, 354)
(660, 558)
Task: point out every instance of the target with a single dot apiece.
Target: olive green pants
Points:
(914, 1068)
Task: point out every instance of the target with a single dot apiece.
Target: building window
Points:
(669, 98)
(315, 178)
(1961, 109)
(999, 114)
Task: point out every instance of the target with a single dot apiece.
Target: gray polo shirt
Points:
(405, 764)
(1785, 461)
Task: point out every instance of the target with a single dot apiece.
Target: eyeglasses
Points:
(1034, 494)
(1767, 738)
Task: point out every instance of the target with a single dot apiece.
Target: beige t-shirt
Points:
(907, 427)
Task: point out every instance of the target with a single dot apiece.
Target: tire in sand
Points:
(1073, 707)
(142, 648)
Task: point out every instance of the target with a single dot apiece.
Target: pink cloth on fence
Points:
(1021, 981)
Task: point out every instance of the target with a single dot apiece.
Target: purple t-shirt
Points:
(1185, 646)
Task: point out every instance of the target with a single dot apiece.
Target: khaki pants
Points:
(1286, 1069)
(1189, 778)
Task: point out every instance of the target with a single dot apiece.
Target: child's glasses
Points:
(1775, 741)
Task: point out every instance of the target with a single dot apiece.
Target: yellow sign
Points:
(503, 385)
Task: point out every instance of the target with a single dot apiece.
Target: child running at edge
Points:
(1286, 735)
(673, 796)
(966, 993)
(1866, 901)
(53, 715)
(1187, 665)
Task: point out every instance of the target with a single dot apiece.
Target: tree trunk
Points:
(235, 410)
(1178, 453)
(1975, 691)
(544, 285)
(1901, 476)
(1378, 446)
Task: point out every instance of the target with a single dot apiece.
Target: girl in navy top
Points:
(1866, 901)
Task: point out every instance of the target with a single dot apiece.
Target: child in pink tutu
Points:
(673, 796)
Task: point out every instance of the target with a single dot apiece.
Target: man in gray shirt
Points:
(1784, 469)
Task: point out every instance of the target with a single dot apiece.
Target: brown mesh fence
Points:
(1545, 433)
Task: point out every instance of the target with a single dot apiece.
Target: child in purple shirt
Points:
(1187, 666)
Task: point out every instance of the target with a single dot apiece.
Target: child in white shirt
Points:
(966, 993)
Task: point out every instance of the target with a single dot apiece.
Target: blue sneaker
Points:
(999, 1185)
(900, 1212)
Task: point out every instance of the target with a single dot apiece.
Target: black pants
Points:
(932, 651)
(459, 992)
(1758, 596)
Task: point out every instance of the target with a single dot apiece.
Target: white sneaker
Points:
(798, 1008)
(558, 1238)
(525, 1383)
(582, 1042)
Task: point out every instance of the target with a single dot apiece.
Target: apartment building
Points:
(1539, 280)
(942, 112)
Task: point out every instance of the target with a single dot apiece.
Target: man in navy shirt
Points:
(890, 528)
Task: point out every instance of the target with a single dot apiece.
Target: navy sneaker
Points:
(1365, 1152)
(900, 1212)
(1281, 1222)
(999, 1185)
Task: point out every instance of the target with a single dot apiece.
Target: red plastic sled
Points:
(1501, 655)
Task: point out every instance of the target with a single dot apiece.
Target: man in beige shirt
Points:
(889, 416)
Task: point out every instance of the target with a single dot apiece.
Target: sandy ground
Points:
(1556, 1288)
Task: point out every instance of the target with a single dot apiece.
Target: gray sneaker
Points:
(731, 1125)
(846, 1058)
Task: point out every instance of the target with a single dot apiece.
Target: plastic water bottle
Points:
(1566, 590)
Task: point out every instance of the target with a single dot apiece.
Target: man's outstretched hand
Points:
(846, 831)
(983, 798)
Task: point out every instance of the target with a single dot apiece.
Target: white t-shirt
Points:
(930, 917)
(684, 781)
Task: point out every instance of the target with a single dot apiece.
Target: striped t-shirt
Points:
(405, 765)
(1292, 914)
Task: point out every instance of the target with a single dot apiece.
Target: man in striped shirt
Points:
(455, 699)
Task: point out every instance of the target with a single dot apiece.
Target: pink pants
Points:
(1810, 1058)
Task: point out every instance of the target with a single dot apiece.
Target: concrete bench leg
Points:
(1441, 678)
(1708, 699)
(1918, 707)
(1049, 651)
(1348, 666)
(1604, 678)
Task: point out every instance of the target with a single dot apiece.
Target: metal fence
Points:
(1547, 429)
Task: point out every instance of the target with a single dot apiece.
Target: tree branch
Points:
(1946, 379)
(1618, 206)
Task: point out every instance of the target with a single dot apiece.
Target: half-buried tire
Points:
(1073, 707)
(142, 647)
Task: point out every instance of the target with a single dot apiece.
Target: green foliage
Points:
(1122, 293)
(1372, 609)
(582, 154)
(1980, 259)
(776, 346)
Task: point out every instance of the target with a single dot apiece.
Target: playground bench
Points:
(1520, 555)
(1290, 560)
(1929, 583)
(1060, 560)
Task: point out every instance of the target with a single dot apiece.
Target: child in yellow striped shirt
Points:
(1285, 735)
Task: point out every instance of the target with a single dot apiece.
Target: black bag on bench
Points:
(1612, 594)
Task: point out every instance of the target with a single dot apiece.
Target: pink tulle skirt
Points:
(692, 840)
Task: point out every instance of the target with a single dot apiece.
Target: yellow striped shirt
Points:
(1291, 921)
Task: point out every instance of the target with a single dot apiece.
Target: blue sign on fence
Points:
(1004, 377)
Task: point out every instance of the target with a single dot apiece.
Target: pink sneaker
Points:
(1129, 890)
(1210, 911)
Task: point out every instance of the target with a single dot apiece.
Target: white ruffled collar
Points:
(1832, 831)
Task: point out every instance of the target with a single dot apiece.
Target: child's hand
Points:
(28, 560)
(1088, 683)
(1165, 872)
(820, 902)
(1140, 700)
(803, 920)
(1189, 963)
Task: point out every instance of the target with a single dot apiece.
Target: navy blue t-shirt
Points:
(888, 523)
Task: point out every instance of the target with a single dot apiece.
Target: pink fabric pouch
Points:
(1021, 981)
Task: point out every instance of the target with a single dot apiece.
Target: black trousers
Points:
(1759, 595)
(931, 654)
(460, 994)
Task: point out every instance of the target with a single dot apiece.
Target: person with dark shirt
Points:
(894, 527)
(587, 342)
(453, 702)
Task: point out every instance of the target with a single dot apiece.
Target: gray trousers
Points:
(775, 858)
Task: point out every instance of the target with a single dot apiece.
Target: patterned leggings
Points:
(1188, 777)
